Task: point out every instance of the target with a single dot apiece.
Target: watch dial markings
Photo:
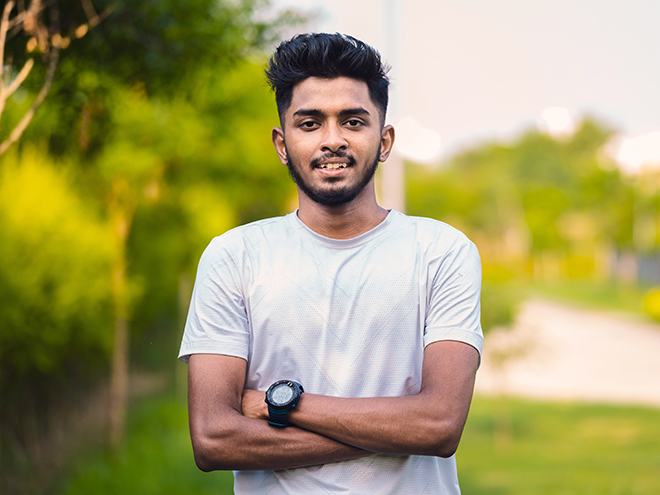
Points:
(282, 394)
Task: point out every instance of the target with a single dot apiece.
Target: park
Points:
(133, 133)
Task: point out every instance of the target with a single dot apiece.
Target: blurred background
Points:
(132, 133)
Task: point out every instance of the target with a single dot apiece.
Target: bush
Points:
(55, 335)
(54, 271)
(652, 303)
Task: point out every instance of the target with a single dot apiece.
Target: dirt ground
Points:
(556, 351)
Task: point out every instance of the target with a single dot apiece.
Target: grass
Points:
(536, 448)
(156, 459)
(559, 448)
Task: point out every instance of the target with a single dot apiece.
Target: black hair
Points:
(327, 56)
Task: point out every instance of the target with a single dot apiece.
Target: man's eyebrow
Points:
(354, 111)
(312, 112)
(303, 112)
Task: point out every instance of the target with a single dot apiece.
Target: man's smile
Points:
(333, 162)
(332, 166)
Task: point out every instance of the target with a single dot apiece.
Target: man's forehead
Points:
(337, 93)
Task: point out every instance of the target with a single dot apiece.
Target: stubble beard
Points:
(333, 196)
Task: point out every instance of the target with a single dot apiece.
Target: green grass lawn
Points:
(539, 448)
(559, 448)
(156, 459)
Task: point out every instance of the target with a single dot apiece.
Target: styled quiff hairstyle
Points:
(327, 56)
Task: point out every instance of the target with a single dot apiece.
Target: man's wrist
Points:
(281, 397)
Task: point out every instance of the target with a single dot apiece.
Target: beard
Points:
(332, 196)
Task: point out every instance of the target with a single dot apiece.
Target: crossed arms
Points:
(229, 431)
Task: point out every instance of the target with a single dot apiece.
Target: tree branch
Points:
(29, 21)
(35, 8)
(4, 27)
(93, 18)
(45, 88)
(18, 80)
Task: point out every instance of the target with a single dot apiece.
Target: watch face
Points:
(281, 394)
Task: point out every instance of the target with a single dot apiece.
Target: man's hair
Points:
(326, 56)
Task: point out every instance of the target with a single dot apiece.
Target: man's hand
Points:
(254, 404)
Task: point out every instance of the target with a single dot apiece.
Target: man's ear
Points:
(386, 142)
(278, 141)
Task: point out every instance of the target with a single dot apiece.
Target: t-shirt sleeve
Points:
(217, 320)
(453, 310)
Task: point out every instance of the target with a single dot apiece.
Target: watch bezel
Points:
(296, 388)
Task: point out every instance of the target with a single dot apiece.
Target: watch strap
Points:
(278, 416)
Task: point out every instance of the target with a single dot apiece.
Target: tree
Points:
(43, 24)
(153, 109)
(533, 197)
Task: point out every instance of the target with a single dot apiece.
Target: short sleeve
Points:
(453, 310)
(217, 320)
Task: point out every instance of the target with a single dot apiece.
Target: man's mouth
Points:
(333, 162)
(332, 166)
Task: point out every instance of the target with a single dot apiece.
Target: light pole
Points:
(392, 185)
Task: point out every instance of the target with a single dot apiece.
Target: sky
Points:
(469, 71)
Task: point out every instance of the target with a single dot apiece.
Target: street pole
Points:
(392, 174)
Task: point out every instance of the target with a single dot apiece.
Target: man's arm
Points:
(429, 423)
(223, 438)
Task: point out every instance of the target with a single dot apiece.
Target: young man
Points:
(333, 350)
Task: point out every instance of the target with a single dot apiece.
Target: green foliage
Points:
(213, 169)
(54, 270)
(166, 124)
(560, 449)
(499, 303)
(499, 297)
(534, 196)
(162, 43)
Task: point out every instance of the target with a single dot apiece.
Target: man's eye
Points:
(354, 123)
(308, 125)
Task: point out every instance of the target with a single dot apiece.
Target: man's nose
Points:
(333, 139)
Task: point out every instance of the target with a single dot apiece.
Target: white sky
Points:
(479, 69)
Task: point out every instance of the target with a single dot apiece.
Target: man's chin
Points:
(332, 200)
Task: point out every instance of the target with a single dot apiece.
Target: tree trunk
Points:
(119, 382)
(184, 293)
(121, 214)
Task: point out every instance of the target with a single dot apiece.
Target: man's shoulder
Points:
(431, 231)
(252, 232)
(241, 242)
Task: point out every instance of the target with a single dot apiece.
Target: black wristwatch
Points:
(281, 397)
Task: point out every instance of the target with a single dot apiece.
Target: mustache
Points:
(338, 154)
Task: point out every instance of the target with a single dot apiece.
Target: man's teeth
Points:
(333, 166)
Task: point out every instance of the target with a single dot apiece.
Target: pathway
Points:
(557, 351)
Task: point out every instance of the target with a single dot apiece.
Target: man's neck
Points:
(341, 222)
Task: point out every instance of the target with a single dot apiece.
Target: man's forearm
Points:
(388, 425)
(247, 444)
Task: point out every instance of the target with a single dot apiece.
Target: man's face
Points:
(332, 140)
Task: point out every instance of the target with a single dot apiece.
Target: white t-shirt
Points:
(346, 318)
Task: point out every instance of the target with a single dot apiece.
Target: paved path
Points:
(560, 352)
